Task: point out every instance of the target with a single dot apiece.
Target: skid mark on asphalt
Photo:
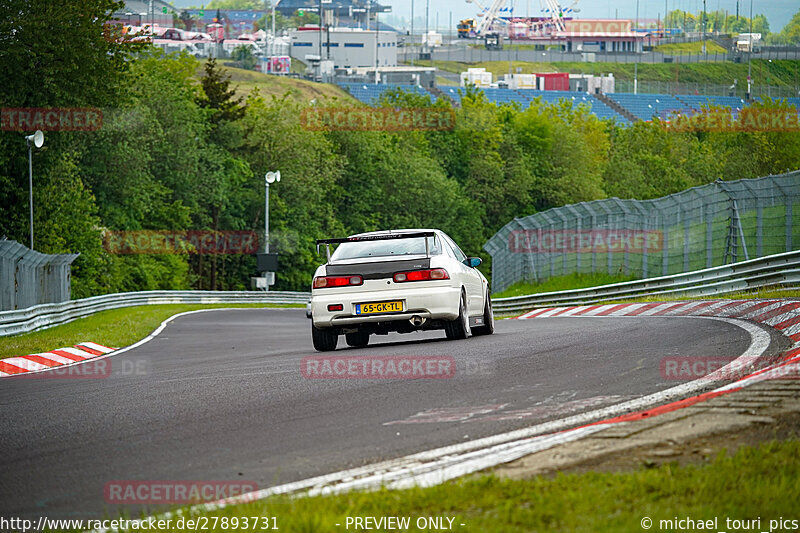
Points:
(495, 413)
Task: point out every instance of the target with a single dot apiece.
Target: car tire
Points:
(358, 339)
(488, 319)
(325, 339)
(458, 328)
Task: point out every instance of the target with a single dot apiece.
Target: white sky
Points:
(778, 12)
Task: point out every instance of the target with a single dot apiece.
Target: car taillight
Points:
(335, 307)
(421, 275)
(321, 282)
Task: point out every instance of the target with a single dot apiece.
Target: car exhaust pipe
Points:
(416, 320)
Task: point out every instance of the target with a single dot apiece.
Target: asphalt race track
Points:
(220, 396)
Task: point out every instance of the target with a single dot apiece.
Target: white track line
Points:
(26, 364)
(95, 346)
(54, 357)
(600, 309)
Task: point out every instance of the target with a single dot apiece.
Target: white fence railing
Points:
(46, 315)
(778, 269)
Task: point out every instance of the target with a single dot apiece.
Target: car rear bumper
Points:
(430, 302)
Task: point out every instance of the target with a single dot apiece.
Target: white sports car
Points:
(401, 280)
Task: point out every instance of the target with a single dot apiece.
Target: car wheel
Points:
(488, 319)
(357, 339)
(459, 328)
(325, 339)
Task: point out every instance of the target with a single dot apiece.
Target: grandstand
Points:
(649, 106)
(641, 106)
(371, 93)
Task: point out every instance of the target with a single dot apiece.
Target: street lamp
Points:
(38, 140)
(274, 6)
(750, 54)
(636, 54)
(269, 179)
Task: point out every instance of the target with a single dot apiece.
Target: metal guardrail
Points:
(765, 271)
(47, 315)
(775, 269)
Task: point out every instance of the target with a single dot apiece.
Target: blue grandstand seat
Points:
(370, 93)
(649, 106)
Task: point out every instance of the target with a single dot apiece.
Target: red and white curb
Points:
(782, 315)
(38, 362)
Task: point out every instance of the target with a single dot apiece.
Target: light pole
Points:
(38, 140)
(704, 27)
(412, 32)
(270, 178)
(274, 6)
(750, 54)
(636, 52)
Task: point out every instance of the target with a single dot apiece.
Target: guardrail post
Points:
(759, 228)
(709, 235)
(594, 249)
(685, 242)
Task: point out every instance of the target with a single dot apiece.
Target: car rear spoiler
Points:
(386, 237)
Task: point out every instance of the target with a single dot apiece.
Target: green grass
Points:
(245, 81)
(690, 48)
(441, 81)
(562, 283)
(778, 73)
(755, 481)
(116, 328)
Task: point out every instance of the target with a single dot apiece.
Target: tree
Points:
(240, 5)
(244, 58)
(218, 96)
(81, 64)
(791, 32)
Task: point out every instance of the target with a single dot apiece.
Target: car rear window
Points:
(388, 248)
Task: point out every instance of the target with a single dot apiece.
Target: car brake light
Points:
(321, 282)
(335, 307)
(421, 275)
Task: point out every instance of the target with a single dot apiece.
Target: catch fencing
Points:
(703, 227)
(30, 278)
(523, 53)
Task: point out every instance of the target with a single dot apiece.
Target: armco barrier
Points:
(778, 269)
(47, 315)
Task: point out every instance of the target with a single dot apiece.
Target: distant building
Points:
(236, 22)
(339, 13)
(349, 47)
(140, 12)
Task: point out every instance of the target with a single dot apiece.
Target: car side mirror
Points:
(474, 262)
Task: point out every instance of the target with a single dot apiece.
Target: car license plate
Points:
(376, 308)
